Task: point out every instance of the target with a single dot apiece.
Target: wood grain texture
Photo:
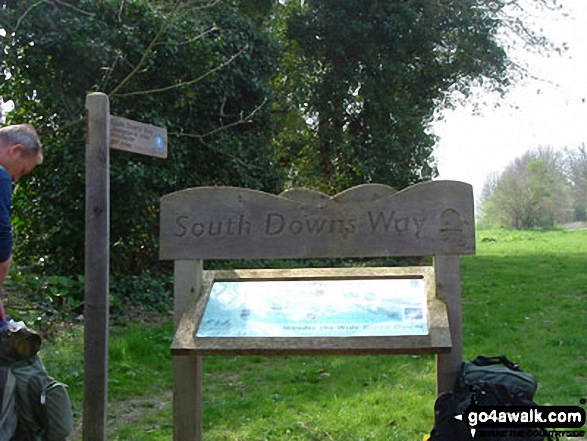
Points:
(431, 218)
(187, 371)
(448, 290)
(97, 263)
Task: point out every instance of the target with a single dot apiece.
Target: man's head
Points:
(20, 150)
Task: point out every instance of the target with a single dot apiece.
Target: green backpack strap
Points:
(482, 360)
(8, 415)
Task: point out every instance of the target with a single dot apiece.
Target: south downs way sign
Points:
(429, 219)
(229, 223)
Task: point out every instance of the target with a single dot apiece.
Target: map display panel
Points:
(316, 308)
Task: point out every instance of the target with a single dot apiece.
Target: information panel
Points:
(316, 308)
(315, 311)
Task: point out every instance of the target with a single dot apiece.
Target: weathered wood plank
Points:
(448, 290)
(187, 371)
(316, 346)
(97, 258)
(432, 218)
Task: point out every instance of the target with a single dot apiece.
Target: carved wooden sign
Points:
(369, 220)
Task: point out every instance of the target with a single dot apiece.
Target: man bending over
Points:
(20, 153)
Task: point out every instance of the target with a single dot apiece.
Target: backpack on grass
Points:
(446, 426)
(35, 407)
(496, 381)
(485, 381)
(42, 404)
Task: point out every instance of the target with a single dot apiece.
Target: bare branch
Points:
(108, 72)
(40, 2)
(178, 85)
(192, 40)
(142, 61)
(198, 4)
(68, 5)
(81, 119)
(147, 52)
(25, 13)
(231, 156)
(120, 10)
(202, 137)
(524, 72)
(242, 120)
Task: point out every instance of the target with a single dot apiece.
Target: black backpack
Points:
(447, 427)
(485, 381)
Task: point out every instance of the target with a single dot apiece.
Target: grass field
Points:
(524, 295)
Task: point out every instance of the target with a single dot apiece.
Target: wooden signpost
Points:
(137, 137)
(429, 219)
(104, 132)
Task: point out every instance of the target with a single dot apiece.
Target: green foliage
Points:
(140, 296)
(44, 301)
(201, 72)
(50, 300)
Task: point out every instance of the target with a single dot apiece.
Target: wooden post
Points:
(448, 289)
(96, 268)
(187, 370)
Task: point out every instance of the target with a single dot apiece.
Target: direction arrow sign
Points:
(137, 137)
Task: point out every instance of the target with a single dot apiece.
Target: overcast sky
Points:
(551, 111)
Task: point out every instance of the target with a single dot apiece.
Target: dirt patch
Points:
(126, 413)
(575, 226)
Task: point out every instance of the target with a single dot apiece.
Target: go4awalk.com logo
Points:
(524, 421)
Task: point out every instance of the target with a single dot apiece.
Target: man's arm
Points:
(5, 233)
(4, 268)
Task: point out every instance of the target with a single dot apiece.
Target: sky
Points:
(548, 111)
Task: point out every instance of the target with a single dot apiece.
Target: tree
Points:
(367, 77)
(577, 173)
(531, 192)
(202, 69)
(491, 181)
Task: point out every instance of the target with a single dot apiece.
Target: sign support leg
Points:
(96, 312)
(448, 289)
(187, 370)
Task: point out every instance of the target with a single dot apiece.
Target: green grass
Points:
(524, 295)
